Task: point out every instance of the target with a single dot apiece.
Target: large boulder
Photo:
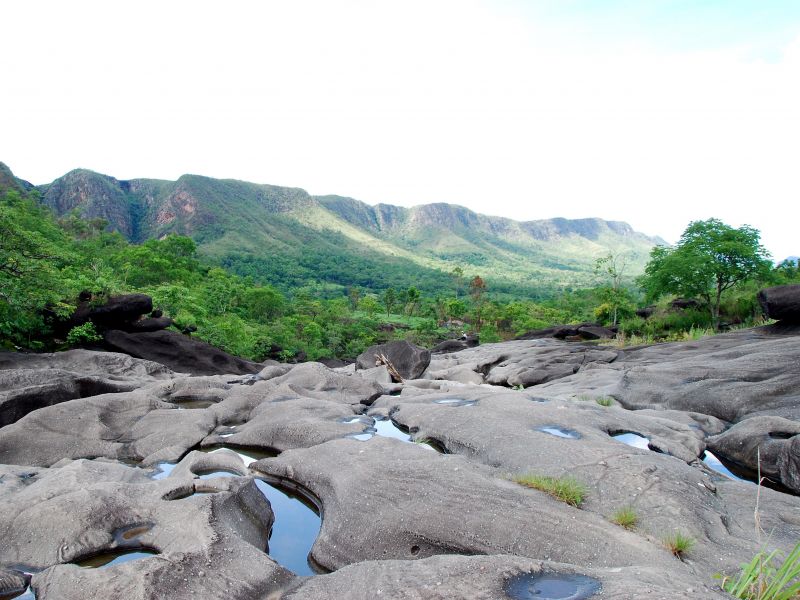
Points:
(179, 352)
(781, 302)
(763, 445)
(578, 332)
(29, 382)
(464, 342)
(409, 360)
(115, 313)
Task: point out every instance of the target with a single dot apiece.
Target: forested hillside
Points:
(288, 238)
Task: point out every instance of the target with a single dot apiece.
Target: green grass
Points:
(678, 543)
(605, 401)
(566, 489)
(625, 517)
(762, 579)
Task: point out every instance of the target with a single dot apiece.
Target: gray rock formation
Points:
(108, 454)
(409, 360)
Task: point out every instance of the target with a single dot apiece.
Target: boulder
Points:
(32, 381)
(179, 352)
(205, 546)
(464, 342)
(116, 312)
(645, 312)
(595, 332)
(684, 303)
(781, 302)
(409, 360)
(150, 324)
(769, 445)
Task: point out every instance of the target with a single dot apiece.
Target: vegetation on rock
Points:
(566, 489)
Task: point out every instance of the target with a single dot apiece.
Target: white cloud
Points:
(405, 103)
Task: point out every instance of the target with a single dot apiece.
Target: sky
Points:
(656, 113)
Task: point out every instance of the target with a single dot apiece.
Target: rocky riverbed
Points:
(123, 479)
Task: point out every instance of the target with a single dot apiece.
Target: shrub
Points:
(83, 334)
(566, 489)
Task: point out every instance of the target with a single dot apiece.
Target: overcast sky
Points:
(656, 113)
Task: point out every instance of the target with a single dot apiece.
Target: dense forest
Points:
(46, 262)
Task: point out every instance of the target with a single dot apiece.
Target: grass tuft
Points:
(625, 517)
(605, 401)
(762, 579)
(679, 543)
(566, 489)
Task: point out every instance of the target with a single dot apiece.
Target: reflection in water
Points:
(387, 428)
(295, 529)
(456, 402)
(110, 559)
(164, 469)
(561, 432)
(633, 439)
(551, 586)
(714, 463)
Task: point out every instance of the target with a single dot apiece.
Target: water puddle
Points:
(124, 535)
(538, 399)
(551, 586)
(383, 427)
(163, 470)
(456, 402)
(561, 432)
(633, 439)
(295, 529)
(388, 428)
(361, 437)
(716, 464)
(193, 404)
(206, 474)
(362, 419)
(297, 522)
(110, 559)
(248, 454)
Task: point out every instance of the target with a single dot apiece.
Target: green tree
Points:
(389, 300)
(369, 304)
(613, 266)
(354, 295)
(477, 291)
(413, 296)
(262, 303)
(710, 258)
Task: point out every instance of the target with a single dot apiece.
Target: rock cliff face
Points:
(236, 220)
(185, 476)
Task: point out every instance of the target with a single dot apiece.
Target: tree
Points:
(457, 275)
(614, 296)
(413, 296)
(710, 258)
(369, 304)
(389, 300)
(354, 295)
(477, 289)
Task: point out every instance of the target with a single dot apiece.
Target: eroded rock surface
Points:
(124, 454)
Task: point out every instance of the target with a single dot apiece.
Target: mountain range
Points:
(288, 237)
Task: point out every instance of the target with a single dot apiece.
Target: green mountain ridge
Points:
(288, 237)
